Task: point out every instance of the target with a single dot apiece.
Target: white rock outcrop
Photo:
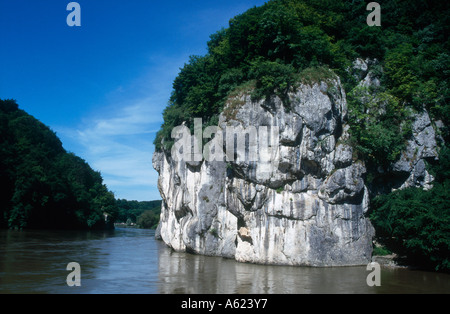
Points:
(304, 204)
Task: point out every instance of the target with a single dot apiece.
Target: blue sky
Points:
(102, 86)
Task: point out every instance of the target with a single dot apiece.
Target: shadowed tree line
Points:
(144, 214)
(43, 185)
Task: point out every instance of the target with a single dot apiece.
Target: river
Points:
(128, 261)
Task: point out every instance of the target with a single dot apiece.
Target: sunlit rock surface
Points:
(301, 203)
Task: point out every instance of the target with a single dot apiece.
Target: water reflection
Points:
(186, 273)
(131, 261)
(183, 273)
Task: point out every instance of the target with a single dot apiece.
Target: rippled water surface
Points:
(132, 261)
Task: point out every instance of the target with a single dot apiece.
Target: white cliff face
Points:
(420, 147)
(303, 205)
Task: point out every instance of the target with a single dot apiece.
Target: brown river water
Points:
(128, 261)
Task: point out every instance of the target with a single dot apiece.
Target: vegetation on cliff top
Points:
(272, 44)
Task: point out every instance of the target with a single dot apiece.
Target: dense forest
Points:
(269, 49)
(44, 186)
(144, 214)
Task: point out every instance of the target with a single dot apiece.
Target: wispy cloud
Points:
(117, 139)
(120, 146)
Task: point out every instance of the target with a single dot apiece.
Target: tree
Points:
(133, 212)
(415, 223)
(43, 185)
(148, 220)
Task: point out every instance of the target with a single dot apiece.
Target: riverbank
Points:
(132, 225)
(388, 261)
(125, 225)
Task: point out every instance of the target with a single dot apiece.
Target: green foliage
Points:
(399, 70)
(416, 223)
(316, 74)
(268, 45)
(380, 251)
(145, 213)
(273, 42)
(272, 78)
(412, 51)
(380, 126)
(441, 170)
(230, 80)
(148, 220)
(43, 185)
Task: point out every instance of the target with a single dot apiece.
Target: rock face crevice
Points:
(303, 205)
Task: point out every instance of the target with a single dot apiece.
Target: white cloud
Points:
(120, 146)
(117, 139)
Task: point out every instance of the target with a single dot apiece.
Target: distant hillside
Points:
(43, 185)
(145, 214)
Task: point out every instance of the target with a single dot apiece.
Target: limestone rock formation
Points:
(300, 201)
(420, 147)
